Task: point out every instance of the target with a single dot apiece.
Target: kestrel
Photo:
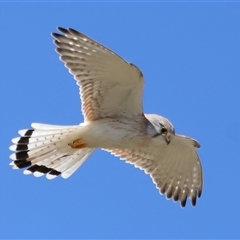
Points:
(111, 95)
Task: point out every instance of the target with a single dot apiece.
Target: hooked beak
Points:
(167, 138)
(167, 141)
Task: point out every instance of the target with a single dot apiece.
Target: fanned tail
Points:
(45, 150)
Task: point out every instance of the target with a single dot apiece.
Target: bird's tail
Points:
(44, 149)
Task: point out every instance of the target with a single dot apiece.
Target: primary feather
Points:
(111, 94)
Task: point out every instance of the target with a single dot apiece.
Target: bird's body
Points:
(111, 93)
(113, 133)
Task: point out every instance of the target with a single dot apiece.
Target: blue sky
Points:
(189, 54)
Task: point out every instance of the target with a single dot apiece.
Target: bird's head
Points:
(162, 126)
(166, 133)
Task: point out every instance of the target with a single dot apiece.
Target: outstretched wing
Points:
(109, 86)
(175, 168)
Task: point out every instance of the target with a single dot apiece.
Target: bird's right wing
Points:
(175, 168)
(109, 86)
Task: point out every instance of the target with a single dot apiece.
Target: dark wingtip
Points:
(169, 192)
(163, 189)
(176, 195)
(199, 193)
(194, 201)
(56, 35)
(63, 30)
(175, 198)
(183, 202)
(71, 30)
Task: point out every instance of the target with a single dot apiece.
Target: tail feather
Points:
(44, 150)
(79, 158)
(43, 126)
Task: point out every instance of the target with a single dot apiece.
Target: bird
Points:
(111, 90)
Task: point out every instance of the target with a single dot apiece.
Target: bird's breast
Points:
(115, 133)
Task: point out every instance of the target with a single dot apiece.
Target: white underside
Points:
(50, 145)
(107, 133)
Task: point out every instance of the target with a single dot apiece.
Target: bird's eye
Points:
(163, 130)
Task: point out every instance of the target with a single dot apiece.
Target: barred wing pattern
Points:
(109, 86)
(175, 169)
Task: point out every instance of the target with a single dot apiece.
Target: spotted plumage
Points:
(111, 96)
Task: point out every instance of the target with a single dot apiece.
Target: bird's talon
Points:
(78, 143)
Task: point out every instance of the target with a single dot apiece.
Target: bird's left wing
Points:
(109, 86)
(175, 168)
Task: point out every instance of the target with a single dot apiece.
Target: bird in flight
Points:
(111, 95)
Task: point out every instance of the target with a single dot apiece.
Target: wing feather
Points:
(109, 86)
(175, 168)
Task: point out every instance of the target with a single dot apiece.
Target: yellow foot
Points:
(78, 143)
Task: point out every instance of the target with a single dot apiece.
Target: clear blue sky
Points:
(190, 56)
